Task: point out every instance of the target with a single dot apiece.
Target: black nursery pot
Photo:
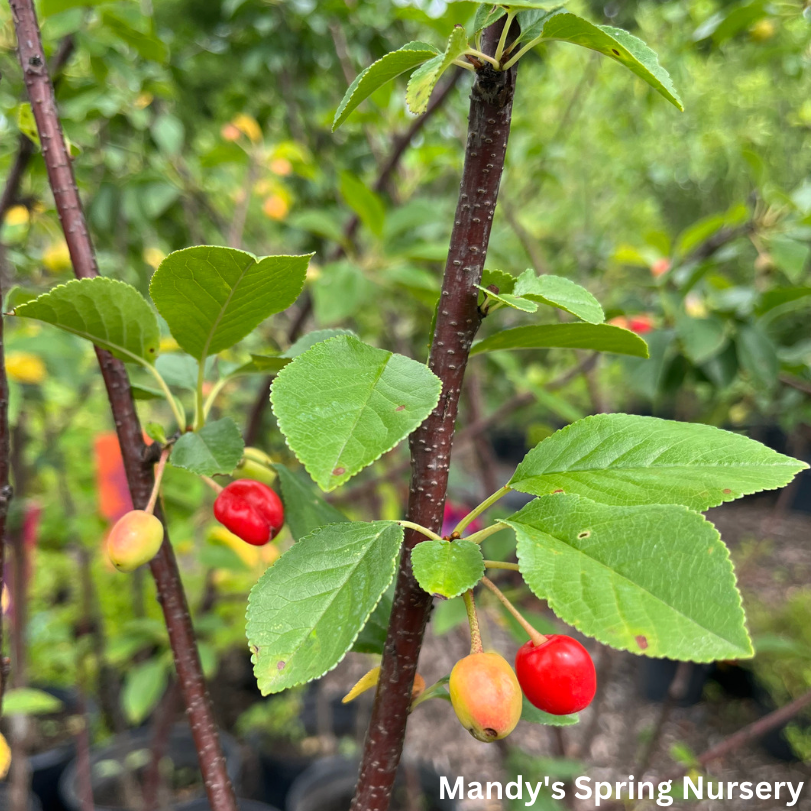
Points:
(656, 676)
(329, 784)
(108, 766)
(5, 799)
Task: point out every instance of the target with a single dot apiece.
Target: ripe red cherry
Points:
(557, 676)
(251, 510)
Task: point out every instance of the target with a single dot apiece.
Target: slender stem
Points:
(422, 530)
(528, 47)
(483, 56)
(177, 408)
(163, 566)
(428, 692)
(466, 65)
(199, 415)
(503, 40)
(537, 637)
(497, 564)
(473, 621)
(478, 537)
(213, 394)
(217, 488)
(161, 466)
(457, 322)
(477, 511)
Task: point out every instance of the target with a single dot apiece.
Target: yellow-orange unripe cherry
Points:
(486, 696)
(134, 540)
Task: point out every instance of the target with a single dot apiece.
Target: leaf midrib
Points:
(624, 579)
(335, 593)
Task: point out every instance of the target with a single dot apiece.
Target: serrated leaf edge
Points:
(578, 625)
(732, 496)
(256, 261)
(360, 627)
(342, 480)
(96, 280)
(417, 577)
(340, 117)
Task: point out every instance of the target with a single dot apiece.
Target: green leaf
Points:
(29, 701)
(213, 297)
(702, 338)
(384, 70)
(26, 123)
(757, 356)
(625, 460)
(653, 579)
(522, 304)
(308, 608)
(304, 509)
(364, 202)
(447, 568)
(48, 8)
(532, 715)
(216, 448)
(616, 44)
(144, 684)
(486, 15)
(557, 291)
(343, 403)
(111, 314)
(372, 638)
(269, 364)
(790, 256)
(505, 282)
(313, 338)
(424, 79)
(180, 371)
(600, 337)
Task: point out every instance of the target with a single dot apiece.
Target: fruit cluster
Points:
(556, 676)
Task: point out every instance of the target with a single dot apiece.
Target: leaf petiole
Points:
(422, 530)
(477, 511)
(496, 564)
(503, 41)
(478, 537)
(431, 692)
(177, 408)
(199, 409)
(528, 47)
(481, 55)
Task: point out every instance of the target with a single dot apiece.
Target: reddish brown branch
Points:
(139, 475)
(458, 319)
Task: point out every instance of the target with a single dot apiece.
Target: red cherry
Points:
(251, 510)
(558, 676)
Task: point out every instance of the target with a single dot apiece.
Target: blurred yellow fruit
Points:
(276, 207)
(281, 166)
(17, 215)
(56, 257)
(763, 30)
(738, 414)
(5, 600)
(5, 757)
(24, 367)
(143, 100)
(248, 126)
(694, 306)
(252, 556)
(153, 256)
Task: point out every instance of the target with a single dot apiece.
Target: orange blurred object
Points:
(111, 480)
(660, 267)
(640, 324)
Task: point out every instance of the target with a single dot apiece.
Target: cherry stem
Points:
(478, 537)
(473, 621)
(160, 467)
(477, 511)
(495, 564)
(217, 488)
(421, 529)
(536, 637)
